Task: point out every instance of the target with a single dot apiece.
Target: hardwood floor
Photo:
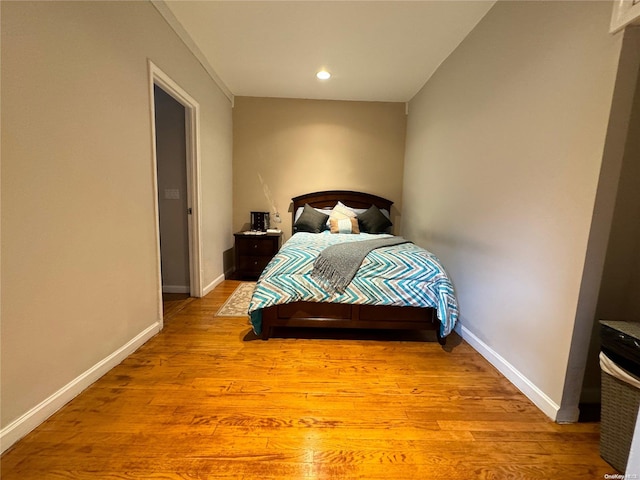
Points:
(205, 399)
(174, 302)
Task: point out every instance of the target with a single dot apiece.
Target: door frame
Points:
(192, 130)
(620, 113)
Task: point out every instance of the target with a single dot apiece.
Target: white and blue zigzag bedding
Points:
(401, 275)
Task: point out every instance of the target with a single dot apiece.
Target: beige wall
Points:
(79, 269)
(302, 146)
(511, 131)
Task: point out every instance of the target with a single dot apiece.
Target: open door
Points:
(188, 194)
(173, 205)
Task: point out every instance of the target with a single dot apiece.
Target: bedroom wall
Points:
(301, 146)
(511, 129)
(79, 268)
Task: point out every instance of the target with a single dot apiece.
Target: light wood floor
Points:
(204, 399)
(174, 302)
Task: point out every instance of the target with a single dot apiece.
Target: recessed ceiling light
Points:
(323, 75)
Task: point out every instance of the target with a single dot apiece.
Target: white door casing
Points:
(192, 129)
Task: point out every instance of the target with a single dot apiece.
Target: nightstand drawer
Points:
(253, 265)
(255, 246)
(253, 253)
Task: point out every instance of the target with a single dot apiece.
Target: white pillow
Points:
(342, 212)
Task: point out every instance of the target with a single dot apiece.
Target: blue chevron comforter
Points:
(401, 275)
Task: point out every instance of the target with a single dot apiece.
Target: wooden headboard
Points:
(329, 198)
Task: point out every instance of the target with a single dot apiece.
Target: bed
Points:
(288, 295)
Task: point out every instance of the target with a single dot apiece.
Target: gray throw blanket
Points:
(337, 264)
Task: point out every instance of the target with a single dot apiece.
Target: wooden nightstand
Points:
(253, 252)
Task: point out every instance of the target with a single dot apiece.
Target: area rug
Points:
(238, 303)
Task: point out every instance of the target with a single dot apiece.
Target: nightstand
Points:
(253, 252)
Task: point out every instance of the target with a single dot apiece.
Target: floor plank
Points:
(174, 302)
(205, 399)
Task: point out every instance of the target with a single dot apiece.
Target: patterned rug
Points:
(238, 303)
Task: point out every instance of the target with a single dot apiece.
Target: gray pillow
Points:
(373, 221)
(311, 220)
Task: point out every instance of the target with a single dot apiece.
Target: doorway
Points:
(609, 267)
(175, 133)
(618, 297)
(171, 165)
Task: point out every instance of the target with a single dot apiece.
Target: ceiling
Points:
(375, 50)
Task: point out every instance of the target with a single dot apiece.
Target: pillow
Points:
(373, 221)
(310, 220)
(341, 212)
(299, 211)
(344, 225)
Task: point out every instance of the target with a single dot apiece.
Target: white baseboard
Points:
(537, 396)
(213, 285)
(185, 289)
(38, 414)
(176, 289)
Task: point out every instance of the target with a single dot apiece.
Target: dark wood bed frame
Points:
(337, 315)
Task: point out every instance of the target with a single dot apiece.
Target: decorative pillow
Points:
(311, 220)
(341, 211)
(373, 221)
(299, 211)
(344, 225)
